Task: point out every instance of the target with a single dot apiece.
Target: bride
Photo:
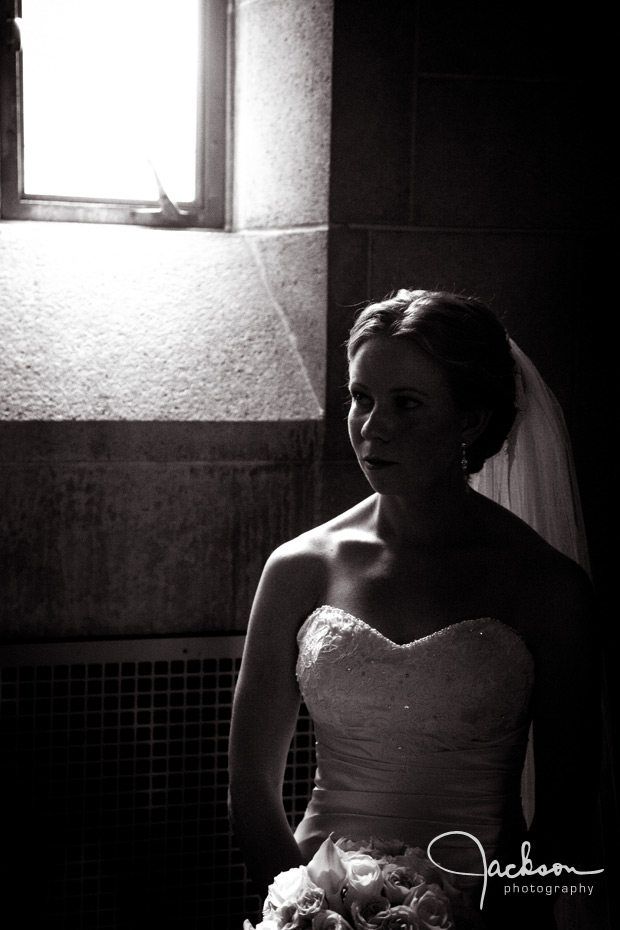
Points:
(426, 628)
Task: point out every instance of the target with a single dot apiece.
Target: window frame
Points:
(209, 208)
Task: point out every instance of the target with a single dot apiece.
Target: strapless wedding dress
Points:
(419, 739)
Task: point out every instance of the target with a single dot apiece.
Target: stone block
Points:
(282, 113)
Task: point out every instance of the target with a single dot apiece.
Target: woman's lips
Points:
(376, 464)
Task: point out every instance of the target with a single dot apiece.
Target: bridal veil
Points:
(533, 475)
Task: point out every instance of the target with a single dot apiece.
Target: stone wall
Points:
(162, 391)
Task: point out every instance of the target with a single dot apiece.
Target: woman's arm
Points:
(265, 710)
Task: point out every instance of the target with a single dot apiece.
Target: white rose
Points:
(364, 879)
(431, 908)
(287, 887)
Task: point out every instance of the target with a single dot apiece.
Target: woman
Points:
(425, 628)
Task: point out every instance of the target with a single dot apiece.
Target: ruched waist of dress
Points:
(473, 791)
(488, 769)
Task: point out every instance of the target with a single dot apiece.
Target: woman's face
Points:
(403, 423)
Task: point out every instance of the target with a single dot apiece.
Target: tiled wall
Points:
(114, 778)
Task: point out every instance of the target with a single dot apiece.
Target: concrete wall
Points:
(120, 323)
(282, 110)
(133, 528)
(161, 391)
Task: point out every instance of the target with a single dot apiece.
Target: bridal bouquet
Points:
(360, 886)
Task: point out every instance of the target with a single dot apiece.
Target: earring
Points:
(464, 467)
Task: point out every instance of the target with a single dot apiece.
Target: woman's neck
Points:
(424, 520)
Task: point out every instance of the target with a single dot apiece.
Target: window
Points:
(114, 115)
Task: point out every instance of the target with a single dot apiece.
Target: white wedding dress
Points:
(419, 739)
(430, 737)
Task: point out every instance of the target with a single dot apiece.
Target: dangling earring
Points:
(464, 463)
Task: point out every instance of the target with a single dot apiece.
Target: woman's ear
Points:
(474, 424)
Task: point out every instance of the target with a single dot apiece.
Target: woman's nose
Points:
(376, 425)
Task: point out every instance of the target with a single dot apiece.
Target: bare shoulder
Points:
(308, 555)
(295, 575)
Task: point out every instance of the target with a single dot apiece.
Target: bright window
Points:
(114, 114)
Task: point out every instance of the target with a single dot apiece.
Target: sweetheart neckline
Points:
(420, 639)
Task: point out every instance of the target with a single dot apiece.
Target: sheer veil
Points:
(533, 475)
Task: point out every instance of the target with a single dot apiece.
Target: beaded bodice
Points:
(467, 684)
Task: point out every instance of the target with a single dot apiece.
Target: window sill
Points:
(123, 323)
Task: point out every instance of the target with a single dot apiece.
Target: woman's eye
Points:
(407, 403)
(360, 399)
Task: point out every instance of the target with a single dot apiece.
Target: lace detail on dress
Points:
(465, 686)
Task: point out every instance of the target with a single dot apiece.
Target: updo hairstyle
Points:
(470, 344)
